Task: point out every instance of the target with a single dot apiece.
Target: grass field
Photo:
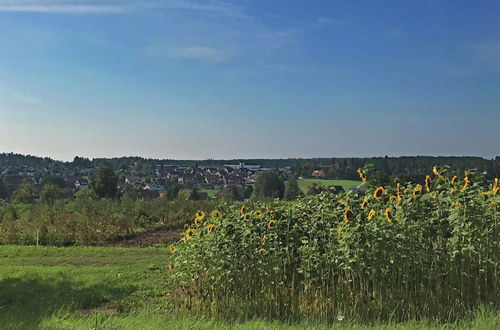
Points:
(305, 184)
(116, 288)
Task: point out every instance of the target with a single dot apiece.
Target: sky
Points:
(189, 79)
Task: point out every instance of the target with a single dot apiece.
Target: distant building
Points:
(81, 184)
(318, 174)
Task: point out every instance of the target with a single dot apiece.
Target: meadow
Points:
(124, 288)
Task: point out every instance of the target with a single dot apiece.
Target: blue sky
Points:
(249, 79)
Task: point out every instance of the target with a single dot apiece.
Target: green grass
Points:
(305, 184)
(117, 288)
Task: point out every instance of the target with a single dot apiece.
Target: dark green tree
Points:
(269, 185)
(55, 180)
(105, 183)
(50, 193)
(292, 190)
(24, 193)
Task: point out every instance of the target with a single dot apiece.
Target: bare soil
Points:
(157, 237)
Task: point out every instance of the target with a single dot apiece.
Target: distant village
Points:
(155, 181)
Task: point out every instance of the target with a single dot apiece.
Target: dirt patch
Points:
(159, 236)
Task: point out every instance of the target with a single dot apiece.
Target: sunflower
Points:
(466, 183)
(371, 214)
(388, 215)
(457, 203)
(210, 227)
(170, 267)
(270, 212)
(433, 196)
(270, 224)
(454, 179)
(436, 171)
(348, 215)
(392, 198)
(361, 175)
(261, 251)
(171, 249)
(417, 190)
(365, 202)
(200, 215)
(377, 194)
(188, 234)
(263, 240)
(428, 183)
(398, 190)
(243, 209)
(216, 214)
(246, 216)
(495, 187)
(258, 213)
(485, 194)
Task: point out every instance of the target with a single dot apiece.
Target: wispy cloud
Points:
(205, 53)
(114, 6)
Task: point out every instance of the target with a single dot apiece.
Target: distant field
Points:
(118, 288)
(304, 184)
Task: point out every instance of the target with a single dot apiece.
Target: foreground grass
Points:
(305, 184)
(118, 288)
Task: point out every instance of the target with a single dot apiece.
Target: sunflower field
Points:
(407, 251)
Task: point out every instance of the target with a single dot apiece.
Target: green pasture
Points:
(119, 288)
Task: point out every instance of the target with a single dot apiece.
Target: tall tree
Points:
(292, 190)
(269, 185)
(105, 183)
(50, 193)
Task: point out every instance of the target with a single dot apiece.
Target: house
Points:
(187, 178)
(154, 187)
(253, 178)
(15, 180)
(319, 174)
(133, 180)
(81, 184)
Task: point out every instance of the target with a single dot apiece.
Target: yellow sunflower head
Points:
(485, 194)
(495, 186)
(246, 216)
(263, 239)
(210, 227)
(454, 179)
(428, 183)
(188, 234)
(348, 215)
(271, 224)
(435, 170)
(261, 251)
(417, 190)
(371, 214)
(243, 209)
(171, 249)
(466, 183)
(388, 215)
(216, 214)
(361, 175)
(170, 267)
(392, 198)
(377, 194)
(364, 203)
(258, 213)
